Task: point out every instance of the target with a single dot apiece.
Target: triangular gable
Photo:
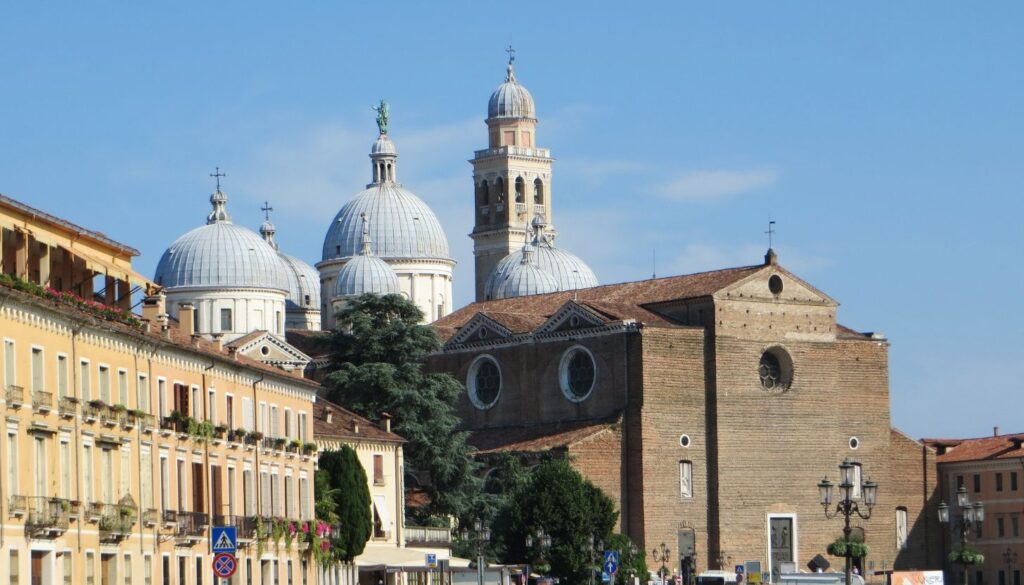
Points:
(757, 286)
(479, 328)
(571, 315)
(277, 350)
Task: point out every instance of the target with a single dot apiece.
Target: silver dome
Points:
(525, 278)
(383, 145)
(366, 274)
(511, 100)
(567, 269)
(303, 283)
(403, 225)
(221, 255)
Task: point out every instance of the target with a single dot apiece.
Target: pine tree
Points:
(350, 496)
(377, 348)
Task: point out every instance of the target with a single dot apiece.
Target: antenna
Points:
(770, 232)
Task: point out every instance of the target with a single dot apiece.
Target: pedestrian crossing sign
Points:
(224, 539)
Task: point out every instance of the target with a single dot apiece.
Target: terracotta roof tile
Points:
(347, 425)
(979, 449)
(535, 438)
(626, 294)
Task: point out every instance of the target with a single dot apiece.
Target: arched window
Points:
(901, 528)
(482, 193)
(500, 188)
(538, 192)
(520, 190)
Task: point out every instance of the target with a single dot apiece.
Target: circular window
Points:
(775, 370)
(577, 373)
(265, 350)
(775, 284)
(484, 382)
(854, 442)
(684, 440)
(482, 334)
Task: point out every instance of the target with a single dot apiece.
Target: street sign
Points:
(224, 539)
(605, 577)
(739, 569)
(224, 565)
(753, 570)
(611, 562)
(431, 561)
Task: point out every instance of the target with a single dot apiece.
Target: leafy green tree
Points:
(378, 347)
(631, 559)
(559, 501)
(350, 494)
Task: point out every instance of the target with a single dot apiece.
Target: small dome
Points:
(221, 255)
(383, 145)
(511, 100)
(303, 284)
(525, 278)
(366, 274)
(568, 270)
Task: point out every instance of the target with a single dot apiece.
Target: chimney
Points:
(771, 258)
(218, 341)
(187, 318)
(153, 306)
(995, 431)
(386, 419)
(233, 352)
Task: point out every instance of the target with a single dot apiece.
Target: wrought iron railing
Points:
(192, 523)
(117, 521)
(47, 516)
(149, 516)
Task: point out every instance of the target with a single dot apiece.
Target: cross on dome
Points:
(510, 74)
(219, 201)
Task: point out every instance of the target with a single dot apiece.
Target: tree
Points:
(631, 560)
(558, 500)
(377, 348)
(350, 495)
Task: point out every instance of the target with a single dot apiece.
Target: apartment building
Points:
(127, 437)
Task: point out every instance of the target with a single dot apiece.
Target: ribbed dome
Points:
(366, 274)
(511, 100)
(525, 278)
(568, 271)
(222, 255)
(303, 283)
(403, 225)
(383, 145)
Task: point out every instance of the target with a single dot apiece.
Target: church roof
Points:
(535, 438)
(620, 301)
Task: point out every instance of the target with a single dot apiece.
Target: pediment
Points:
(571, 316)
(776, 284)
(271, 349)
(480, 328)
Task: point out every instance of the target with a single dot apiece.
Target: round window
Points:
(684, 440)
(775, 370)
(854, 442)
(265, 350)
(577, 373)
(775, 284)
(484, 382)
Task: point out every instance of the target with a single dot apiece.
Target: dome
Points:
(221, 255)
(403, 225)
(365, 273)
(383, 145)
(303, 283)
(511, 100)
(568, 270)
(525, 278)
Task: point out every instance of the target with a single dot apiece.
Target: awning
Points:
(383, 557)
(380, 503)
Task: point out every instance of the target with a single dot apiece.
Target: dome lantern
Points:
(511, 99)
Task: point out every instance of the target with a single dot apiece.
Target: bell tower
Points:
(511, 177)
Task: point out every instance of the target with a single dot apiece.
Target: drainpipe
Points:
(138, 431)
(206, 453)
(76, 383)
(256, 464)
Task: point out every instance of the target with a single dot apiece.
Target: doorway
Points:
(41, 571)
(687, 541)
(108, 569)
(781, 543)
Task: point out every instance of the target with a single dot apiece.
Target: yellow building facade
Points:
(125, 438)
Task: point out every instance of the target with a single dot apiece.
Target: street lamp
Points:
(596, 555)
(971, 515)
(847, 506)
(478, 538)
(1010, 558)
(542, 541)
(661, 555)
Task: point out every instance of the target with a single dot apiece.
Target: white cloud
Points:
(711, 185)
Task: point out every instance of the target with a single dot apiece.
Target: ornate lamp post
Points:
(478, 538)
(596, 555)
(1010, 558)
(971, 516)
(847, 506)
(632, 559)
(542, 541)
(661, 555)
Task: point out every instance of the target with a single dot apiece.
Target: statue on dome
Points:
(382, 116)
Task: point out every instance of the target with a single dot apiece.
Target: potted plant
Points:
(295, 446)
(280, 442)
(309, 448)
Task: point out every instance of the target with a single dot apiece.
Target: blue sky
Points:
(885, 139)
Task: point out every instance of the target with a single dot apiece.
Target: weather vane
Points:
(217, 175)
(770, 232)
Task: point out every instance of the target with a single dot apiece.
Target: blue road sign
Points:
(605, 577)
(611, 562)
(431, 561)
(739, 569)
(224, 539)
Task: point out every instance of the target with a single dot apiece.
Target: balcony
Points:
(94, 511)
(67, 406)
(513, 151)
(521, 209)
(172, 423)
(538, 211)
(191, 526)
(116, 522)
(91, 410)
(15, 396)
(149, 517)
(148, 422)
(169, 517)
(110, 417)
(428, 536)
(127, 418)
(47, 517)
(42, 401)
(18, 506)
